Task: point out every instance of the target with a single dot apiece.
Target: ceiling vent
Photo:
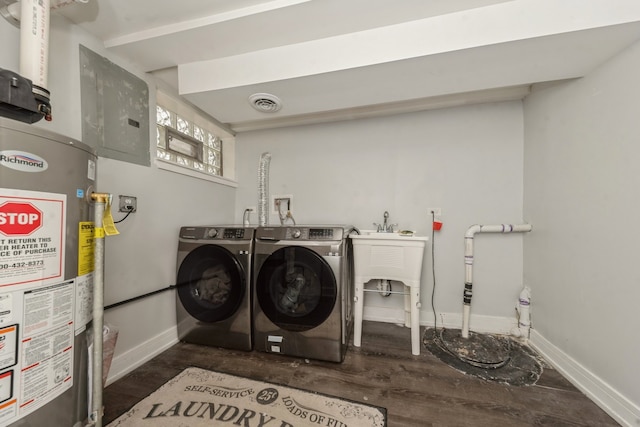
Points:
(265, 102)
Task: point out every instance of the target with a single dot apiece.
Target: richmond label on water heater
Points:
(22, 161)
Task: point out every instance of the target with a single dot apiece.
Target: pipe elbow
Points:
(526, 227)
(471, 231)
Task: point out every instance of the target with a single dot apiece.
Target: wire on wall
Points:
(125, 217)
(433, 271)
(139, 297)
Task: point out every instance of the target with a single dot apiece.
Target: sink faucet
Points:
(385, 227)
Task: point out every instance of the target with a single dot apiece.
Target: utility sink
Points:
(389, 256)
(373, 234)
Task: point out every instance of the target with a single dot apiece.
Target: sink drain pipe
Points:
(468, 262)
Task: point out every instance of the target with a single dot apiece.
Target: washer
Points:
(213, 298)
(303, 277)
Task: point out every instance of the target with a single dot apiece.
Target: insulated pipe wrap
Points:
(263, 189)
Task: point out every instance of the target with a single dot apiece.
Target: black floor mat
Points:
(491, 357)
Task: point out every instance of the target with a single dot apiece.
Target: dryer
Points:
(303, 278)
(213, 297)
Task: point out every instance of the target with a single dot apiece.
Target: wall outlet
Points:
(128, 204)
(286, 201)
(436, 211)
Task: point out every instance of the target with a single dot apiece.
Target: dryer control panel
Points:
(315, 233)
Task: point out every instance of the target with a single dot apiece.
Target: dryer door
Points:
(211, 283)
(296, 288)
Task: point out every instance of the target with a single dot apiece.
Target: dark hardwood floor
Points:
(416, 390)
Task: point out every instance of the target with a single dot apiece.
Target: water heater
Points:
(46, 275)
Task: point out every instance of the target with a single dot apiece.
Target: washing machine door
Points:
(211, 283)
(296, 288)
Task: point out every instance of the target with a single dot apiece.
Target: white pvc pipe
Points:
(34, 42)
(524, 315)
(468, 262)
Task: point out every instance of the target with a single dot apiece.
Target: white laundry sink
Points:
(373, 234)
(389, 256)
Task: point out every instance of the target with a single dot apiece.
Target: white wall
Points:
(142, 258)
(581, 192)
(467, 161)
(578, 141)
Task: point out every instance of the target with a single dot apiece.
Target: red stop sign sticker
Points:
(19, 219)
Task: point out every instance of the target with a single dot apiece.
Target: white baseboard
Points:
(602, 394)
(610, 400)
(128, 361)
(483, 324)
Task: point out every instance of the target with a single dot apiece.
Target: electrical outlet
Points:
(436, 211)
(128, 204)
(286, 203)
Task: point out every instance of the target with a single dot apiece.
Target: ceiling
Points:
(332, 60)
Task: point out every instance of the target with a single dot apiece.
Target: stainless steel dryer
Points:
(303, 277)
(213, 283)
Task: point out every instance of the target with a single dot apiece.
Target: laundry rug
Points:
(197, 397)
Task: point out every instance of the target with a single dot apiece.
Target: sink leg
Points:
(358, 309)
(407, 306)
(415, 319)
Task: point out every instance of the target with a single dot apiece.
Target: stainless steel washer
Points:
(303, 278)
(213, 300)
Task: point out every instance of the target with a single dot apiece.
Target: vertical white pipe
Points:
(524, 315)
(468, 278)
(468, 261)
(34, 41)
(98, 308)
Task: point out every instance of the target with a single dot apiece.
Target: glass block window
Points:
(184, 143)
(198, 133)
(184, 126)
(164, 117)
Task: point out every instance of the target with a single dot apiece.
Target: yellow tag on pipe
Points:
(107, 221)
(98, 233)
(86, 238)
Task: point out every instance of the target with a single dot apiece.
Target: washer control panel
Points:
(216, 233)
(320, 233)
(233, 233)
